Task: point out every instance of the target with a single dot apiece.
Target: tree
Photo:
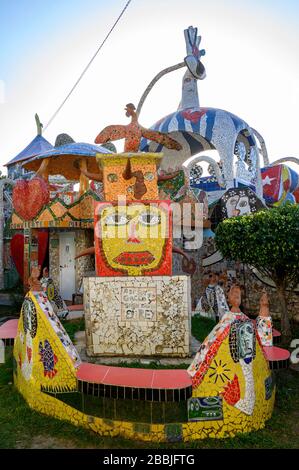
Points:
(269, 241)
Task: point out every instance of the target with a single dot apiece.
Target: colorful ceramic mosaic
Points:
(205, 409)
(29, 197)
(280, 185)
(133, 239)
(54, 297)
(131, 175)
(59, 214)
(264, 329)
(133, 132)
(212, 410)
(43, 358)
(213, 303)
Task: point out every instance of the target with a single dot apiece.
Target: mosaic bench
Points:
(134, 384)
(8, 332)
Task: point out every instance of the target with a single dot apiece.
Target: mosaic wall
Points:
(251, 285)
(57, 213)
(133, 239)
(83, 240)
(133, 316)
(54, 257)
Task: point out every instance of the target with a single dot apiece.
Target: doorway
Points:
(67, 264)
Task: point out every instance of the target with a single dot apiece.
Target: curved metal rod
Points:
(203, 158)
(154, 81)
(263, 146)
(285, 159)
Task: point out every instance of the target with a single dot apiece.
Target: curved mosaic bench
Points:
(133, 383)
(46, 366)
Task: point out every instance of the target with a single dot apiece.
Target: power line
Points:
(87, 66)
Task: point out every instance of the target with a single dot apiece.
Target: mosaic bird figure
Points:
(133, 132)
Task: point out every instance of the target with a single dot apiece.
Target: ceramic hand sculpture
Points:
(192, 60)
(264, 321)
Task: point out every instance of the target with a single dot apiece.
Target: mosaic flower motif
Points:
(48, 358)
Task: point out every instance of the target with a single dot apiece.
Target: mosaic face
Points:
(132, 239)
(246, 338)
(242, 341)
(237, 205)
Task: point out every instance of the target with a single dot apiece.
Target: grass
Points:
(201, 327)
(73, 326)
(25, 428)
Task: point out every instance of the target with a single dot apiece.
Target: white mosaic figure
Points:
(242, 171)
(213, 303)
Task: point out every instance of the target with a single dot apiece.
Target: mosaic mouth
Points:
(134, 258)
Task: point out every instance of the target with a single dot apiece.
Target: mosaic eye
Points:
(112, 177)
(233, 202)
(243, 204)
(146, 218)
(149, 176)
(116, 219)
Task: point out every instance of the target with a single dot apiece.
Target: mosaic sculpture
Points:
(133, 133)
(264, 324)
(280, 184)
(213, 303)
(199, 128)
(54, 297)
(230, 364)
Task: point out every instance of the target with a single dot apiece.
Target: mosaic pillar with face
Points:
(133, 239)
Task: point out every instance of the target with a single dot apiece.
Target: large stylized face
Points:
(237, 205)
(132, 239)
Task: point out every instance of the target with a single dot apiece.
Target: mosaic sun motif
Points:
(133, 239)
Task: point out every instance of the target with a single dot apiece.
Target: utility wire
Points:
(88, 65)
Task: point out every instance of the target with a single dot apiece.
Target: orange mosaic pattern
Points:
(59, 214)
(114, 167)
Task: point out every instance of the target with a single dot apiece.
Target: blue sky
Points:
(251, 62)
